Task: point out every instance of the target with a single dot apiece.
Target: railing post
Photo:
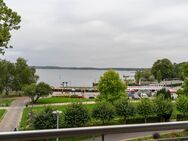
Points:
(103, 137)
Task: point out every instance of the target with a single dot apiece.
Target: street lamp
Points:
(57, 113)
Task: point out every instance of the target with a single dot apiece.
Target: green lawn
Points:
(25, 115)
(6, 101)
(2, 112)
(61, 100)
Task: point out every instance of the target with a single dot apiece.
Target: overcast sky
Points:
(100, 33)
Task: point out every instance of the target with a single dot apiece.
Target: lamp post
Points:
(57, 113)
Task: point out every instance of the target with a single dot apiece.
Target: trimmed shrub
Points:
(124, 108)
(103, 111)
(163, 108)
(45, 119)
(145, 108)
(76, 116)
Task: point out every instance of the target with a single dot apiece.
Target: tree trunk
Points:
(145, 119)
(125, 120)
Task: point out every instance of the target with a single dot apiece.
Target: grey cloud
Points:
(100, 33)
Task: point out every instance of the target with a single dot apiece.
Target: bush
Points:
(182, 104)
(45, 120)
(76, 96)
(163, 108)
(103, 111)
(76, 116)
(165, 93)
(145, 108)
(124, 108)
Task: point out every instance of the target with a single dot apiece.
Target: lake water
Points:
(55, 77)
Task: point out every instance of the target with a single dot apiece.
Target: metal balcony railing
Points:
(90, 131)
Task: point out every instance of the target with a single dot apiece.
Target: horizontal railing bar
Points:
(87, 131)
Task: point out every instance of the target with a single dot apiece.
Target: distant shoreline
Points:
(88, 68)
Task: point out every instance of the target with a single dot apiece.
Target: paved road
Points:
(13, 115)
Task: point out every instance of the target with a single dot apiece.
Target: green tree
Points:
(42, 89)
(185, 70)
(124, 108)
(159, 77)
(30, 90)
(182, 104)
(163, 108)
(24, 74)
(35, 91)
(164, 93)
(103, 111)
(165, 67)
(111, 87)
(7, 70)
(9, 21)
(145, 108)
(45, 119)
(138, 77)
(76, 116)
(185, 87)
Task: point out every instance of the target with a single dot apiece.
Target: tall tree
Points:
(111, 87)
(24, 74)
(165, 67)
(138, 76)
(185, 70)
(9, 20)
(159, 77)
(7, 71)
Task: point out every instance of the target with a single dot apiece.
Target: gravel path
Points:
(13, 115)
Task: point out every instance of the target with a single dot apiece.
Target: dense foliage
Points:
(164, 67)
(164, 93)
(163, 108)
(45, 120)
(76, 116)
(182, 104)
(145, 108)
(13, 76)
(144, 75)
(111, 87)
(35, 91)
(124, 108)
(103, 111)
(9, 21)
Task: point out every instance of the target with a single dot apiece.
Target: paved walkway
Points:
(13, 115)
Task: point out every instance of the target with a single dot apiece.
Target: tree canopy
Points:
(13, 76)
(35, 91)
(124, 108)
(111, 87)
(9, 20)
(165, 67)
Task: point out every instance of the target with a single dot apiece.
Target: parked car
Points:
(135, 96)
(143, 95)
